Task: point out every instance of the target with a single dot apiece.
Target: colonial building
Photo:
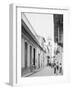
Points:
(58, 28)
(31, 50)
(58, 38)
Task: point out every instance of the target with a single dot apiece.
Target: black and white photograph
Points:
(41, 44)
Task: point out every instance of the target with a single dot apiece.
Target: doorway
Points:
(34, 56)
(26, 47)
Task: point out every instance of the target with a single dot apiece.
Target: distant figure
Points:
(48, 61)
(57, 66)
(54, 68)
(60, 71)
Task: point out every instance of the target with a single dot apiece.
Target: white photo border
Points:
(15, 62)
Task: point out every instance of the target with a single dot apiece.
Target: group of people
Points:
(57, 61)
(58, 68)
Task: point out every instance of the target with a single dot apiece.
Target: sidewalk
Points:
(33, 72)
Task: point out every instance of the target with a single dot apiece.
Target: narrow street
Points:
(47, 71)
(41, 53)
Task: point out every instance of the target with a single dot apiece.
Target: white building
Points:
(32, 52)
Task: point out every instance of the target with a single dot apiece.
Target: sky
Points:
(42, 24)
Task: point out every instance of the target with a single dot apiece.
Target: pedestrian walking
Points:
(54, 68)
(60, 71)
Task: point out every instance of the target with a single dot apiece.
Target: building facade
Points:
(33, 54)
(58, 39)
(58, 28)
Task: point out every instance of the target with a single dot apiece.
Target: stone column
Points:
(28, 56)
(22, 53)
(32, 60)
(36, 61)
